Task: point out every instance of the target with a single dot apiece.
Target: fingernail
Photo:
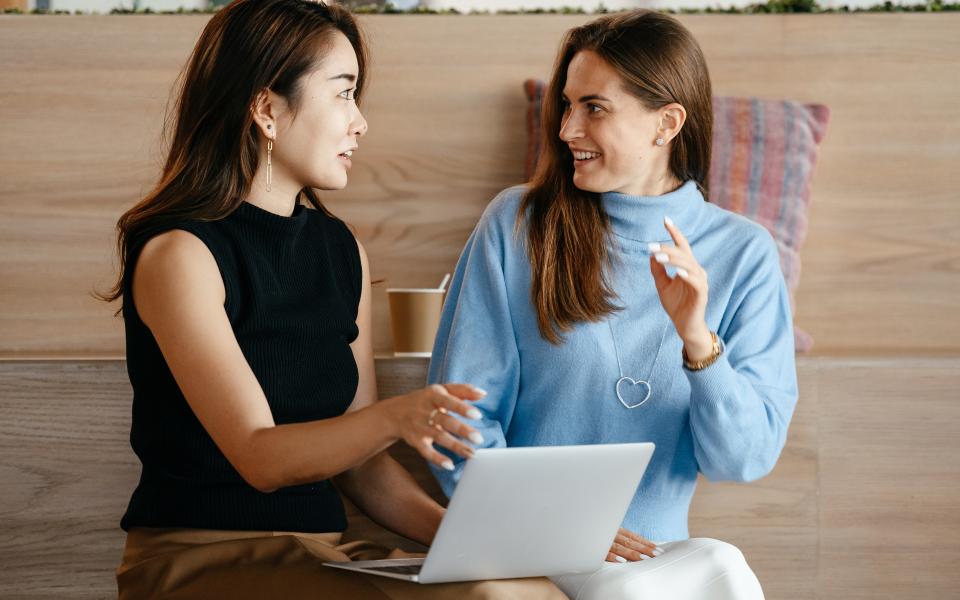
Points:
(644, 557)
(653, 246)
(668, 221)
(657, 551)
(447, 464)
(620, 559)
(474, 414)
(475, 437)
(480, 391)
(683, 273)
(661, 257)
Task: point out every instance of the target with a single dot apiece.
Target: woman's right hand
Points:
(425, 417)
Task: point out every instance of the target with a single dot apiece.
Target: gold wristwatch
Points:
(699, 365)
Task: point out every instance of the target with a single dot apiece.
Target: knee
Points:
(723, 555)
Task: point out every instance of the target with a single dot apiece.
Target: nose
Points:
(359, 125)
(570, 127)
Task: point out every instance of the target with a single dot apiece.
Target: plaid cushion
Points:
(764, 152)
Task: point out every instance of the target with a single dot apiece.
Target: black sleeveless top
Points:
(292, 291)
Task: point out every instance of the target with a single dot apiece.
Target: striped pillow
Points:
(764, 152)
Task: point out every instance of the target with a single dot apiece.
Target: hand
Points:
(422, 418)
(628, 546)
(684, 297)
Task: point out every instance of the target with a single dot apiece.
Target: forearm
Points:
(296, 453)
(739, 427)
(386, 492)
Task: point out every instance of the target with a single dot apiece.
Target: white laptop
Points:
(527, 512)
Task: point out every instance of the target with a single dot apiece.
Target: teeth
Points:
(348, 153)
(585, 155)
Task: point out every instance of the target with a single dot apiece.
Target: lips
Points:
(581, 156)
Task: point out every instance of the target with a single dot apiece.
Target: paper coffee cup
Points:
(414, 319)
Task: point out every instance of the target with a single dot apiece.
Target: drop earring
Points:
(269, 161)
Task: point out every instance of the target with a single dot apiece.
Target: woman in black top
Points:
(247, 317)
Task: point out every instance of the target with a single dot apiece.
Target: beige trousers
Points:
(206, 563)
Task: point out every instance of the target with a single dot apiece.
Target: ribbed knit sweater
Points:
(292, 290)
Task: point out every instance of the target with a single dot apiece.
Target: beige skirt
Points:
(206, 563)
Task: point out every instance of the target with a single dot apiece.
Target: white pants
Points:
(694, 569)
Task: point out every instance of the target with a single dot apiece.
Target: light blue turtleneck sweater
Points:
(728, 421)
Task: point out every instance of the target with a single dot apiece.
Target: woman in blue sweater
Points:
(608, 301)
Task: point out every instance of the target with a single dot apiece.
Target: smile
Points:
(584, 156)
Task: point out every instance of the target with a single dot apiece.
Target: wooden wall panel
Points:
(81, 102)
(863, 503)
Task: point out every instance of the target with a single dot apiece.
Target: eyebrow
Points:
(590, 97)
(349, 77)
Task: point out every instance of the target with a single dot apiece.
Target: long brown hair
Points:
(568, 230)
(245, 48)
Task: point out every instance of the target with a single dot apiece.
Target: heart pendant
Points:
(632, 382)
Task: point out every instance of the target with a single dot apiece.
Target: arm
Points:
(381, 487)
(476, 341)
(179, 295)
(741, 405)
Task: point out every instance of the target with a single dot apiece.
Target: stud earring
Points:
(269, 163)
(660, 142)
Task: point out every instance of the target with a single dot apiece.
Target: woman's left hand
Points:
(629, 547)
(684, 297)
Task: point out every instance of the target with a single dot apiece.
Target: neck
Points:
(282, 197)
(652, 185)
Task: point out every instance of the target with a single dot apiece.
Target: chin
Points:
(331, 184)
(588, 184)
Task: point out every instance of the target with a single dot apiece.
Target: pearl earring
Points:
(660, 142)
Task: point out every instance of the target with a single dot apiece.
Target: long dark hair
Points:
(246, 47)
(568, 231)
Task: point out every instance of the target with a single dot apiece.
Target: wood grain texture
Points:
(82, 99)
(863, 503)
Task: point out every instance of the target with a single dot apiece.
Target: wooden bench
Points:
(834, 519)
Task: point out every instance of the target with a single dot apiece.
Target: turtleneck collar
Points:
(640, 218)
(268, 221)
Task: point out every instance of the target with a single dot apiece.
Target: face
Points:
(609, 132)
(314, 146)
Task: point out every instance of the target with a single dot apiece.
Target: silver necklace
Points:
(631, 380)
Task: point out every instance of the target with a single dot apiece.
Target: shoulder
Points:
(176, 248)
(499, 218)
(745, 237)
(172, 266)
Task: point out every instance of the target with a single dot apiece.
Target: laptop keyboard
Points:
(401, 570)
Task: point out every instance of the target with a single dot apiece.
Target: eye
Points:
(594, 108)
(565, 105)
(347, 94)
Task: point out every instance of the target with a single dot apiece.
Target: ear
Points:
(672, 118)
(265, 109)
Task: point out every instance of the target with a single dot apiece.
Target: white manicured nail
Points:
(668, 221)
(474, 414)
(661, 257)
(620, 559)
(657, 551)
(476, 438)
(480, 390)
(644, 557)
(448, 465)
(653, 246)
(682, 273)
